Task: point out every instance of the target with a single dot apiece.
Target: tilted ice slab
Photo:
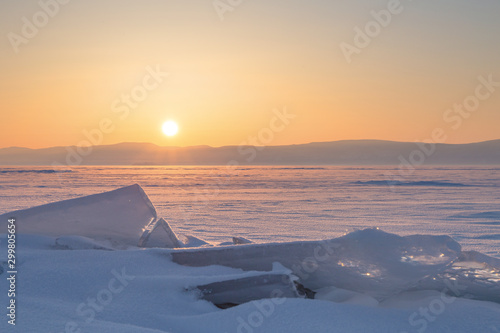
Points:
(124, 217)
(369, 261)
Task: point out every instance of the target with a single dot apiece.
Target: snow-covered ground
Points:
(61, 289)
(71, 285)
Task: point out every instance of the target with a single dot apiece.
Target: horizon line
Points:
(234, 145)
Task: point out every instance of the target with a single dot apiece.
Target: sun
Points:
(170, 128)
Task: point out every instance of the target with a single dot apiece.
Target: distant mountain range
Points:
(356, 152)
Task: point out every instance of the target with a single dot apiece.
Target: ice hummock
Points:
(368, 261)
(123, 217)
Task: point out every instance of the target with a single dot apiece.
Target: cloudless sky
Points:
(227, 76)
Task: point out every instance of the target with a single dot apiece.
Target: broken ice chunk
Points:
(160, 235)
(226, 294)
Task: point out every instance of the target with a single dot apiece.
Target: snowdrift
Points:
(56, 285)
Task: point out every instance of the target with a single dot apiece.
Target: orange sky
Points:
(227, 76)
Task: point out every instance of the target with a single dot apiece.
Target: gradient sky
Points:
(226, 77)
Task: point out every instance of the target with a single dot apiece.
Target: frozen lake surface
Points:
(288, 203)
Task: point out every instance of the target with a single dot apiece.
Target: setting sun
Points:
(170, 128)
